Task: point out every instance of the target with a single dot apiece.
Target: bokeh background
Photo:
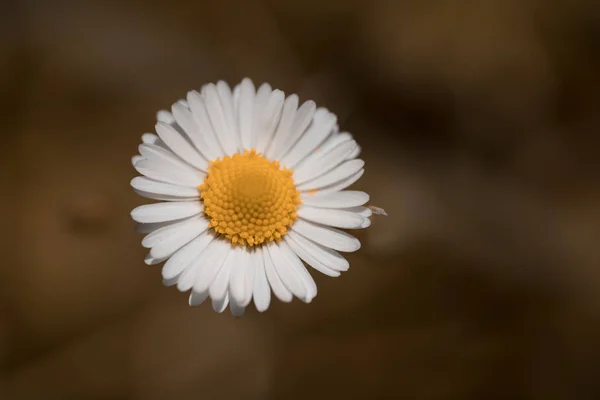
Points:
(479, 123)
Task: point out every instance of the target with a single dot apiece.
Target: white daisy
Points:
(251, 183)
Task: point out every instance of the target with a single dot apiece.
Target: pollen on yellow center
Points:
(249, 199)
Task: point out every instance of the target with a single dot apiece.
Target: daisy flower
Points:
(252, 184)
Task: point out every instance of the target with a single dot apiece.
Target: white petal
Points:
(161, 156)
(167, 248)
(328, 257)
(220, 285)
(361, 210)
(302, 120)
(340, 185)
(211, 147)
(186, 279)
(165, 241)
(135, 159)
(308, 258)
(184, 257)
(321, 126)
(340, 173)
(300, 270)
(312, 169)
(197, 298)
(333, 141)
(185, 119)
(270, 118)
(249, 275)
(283, 131)
(151, 138)
(261, 290)
(277, 285)
(237, 276)
(211, 267)
(165, 116)
(355, 153)
(226, 98)
(150, 186)
(213, 253)
(219, 305)
(286, 272)
(236, 100)
(170, 282)
(331, 217)
(167, 174)
(237, 310)
(149, 260)
(326, 236)
(260, 101)
(180, 145)
(162, 165)
(147, 228)
(163, 197)
(167, 211)
(245, 112)
(158, 232)
(343, 199)
(220, 125)
(366, 223)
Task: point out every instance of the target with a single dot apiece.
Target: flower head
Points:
(251, 184)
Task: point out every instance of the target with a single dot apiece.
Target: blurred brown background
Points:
(479, 123)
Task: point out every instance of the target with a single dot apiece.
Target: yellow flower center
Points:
(249, 199)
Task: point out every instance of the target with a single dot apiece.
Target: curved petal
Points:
(218, 119)
(135, 159)
(313, 169)
(344, 172)
(260, 101)
(219, 305)
(279, 288)
(303, 118)
(237, 278)
(261, 291)
(226, 97)
(213, 149)
(180, 145)
(300, 270)
(147, 185)
(343, 199)
(320, 128)
(184, 257)
(269, 120)
(249, 275)
(166, 211)
(197, 298)
(286, 272)
(281, 135)
(237, 310)
(245, 112)
(326, 256)
(329, 237)
(309, 259)
(166, 241)
(165, 116)
(213, 253)
(210, 267)
(185, 119)
(219, 287)
(331, 217)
